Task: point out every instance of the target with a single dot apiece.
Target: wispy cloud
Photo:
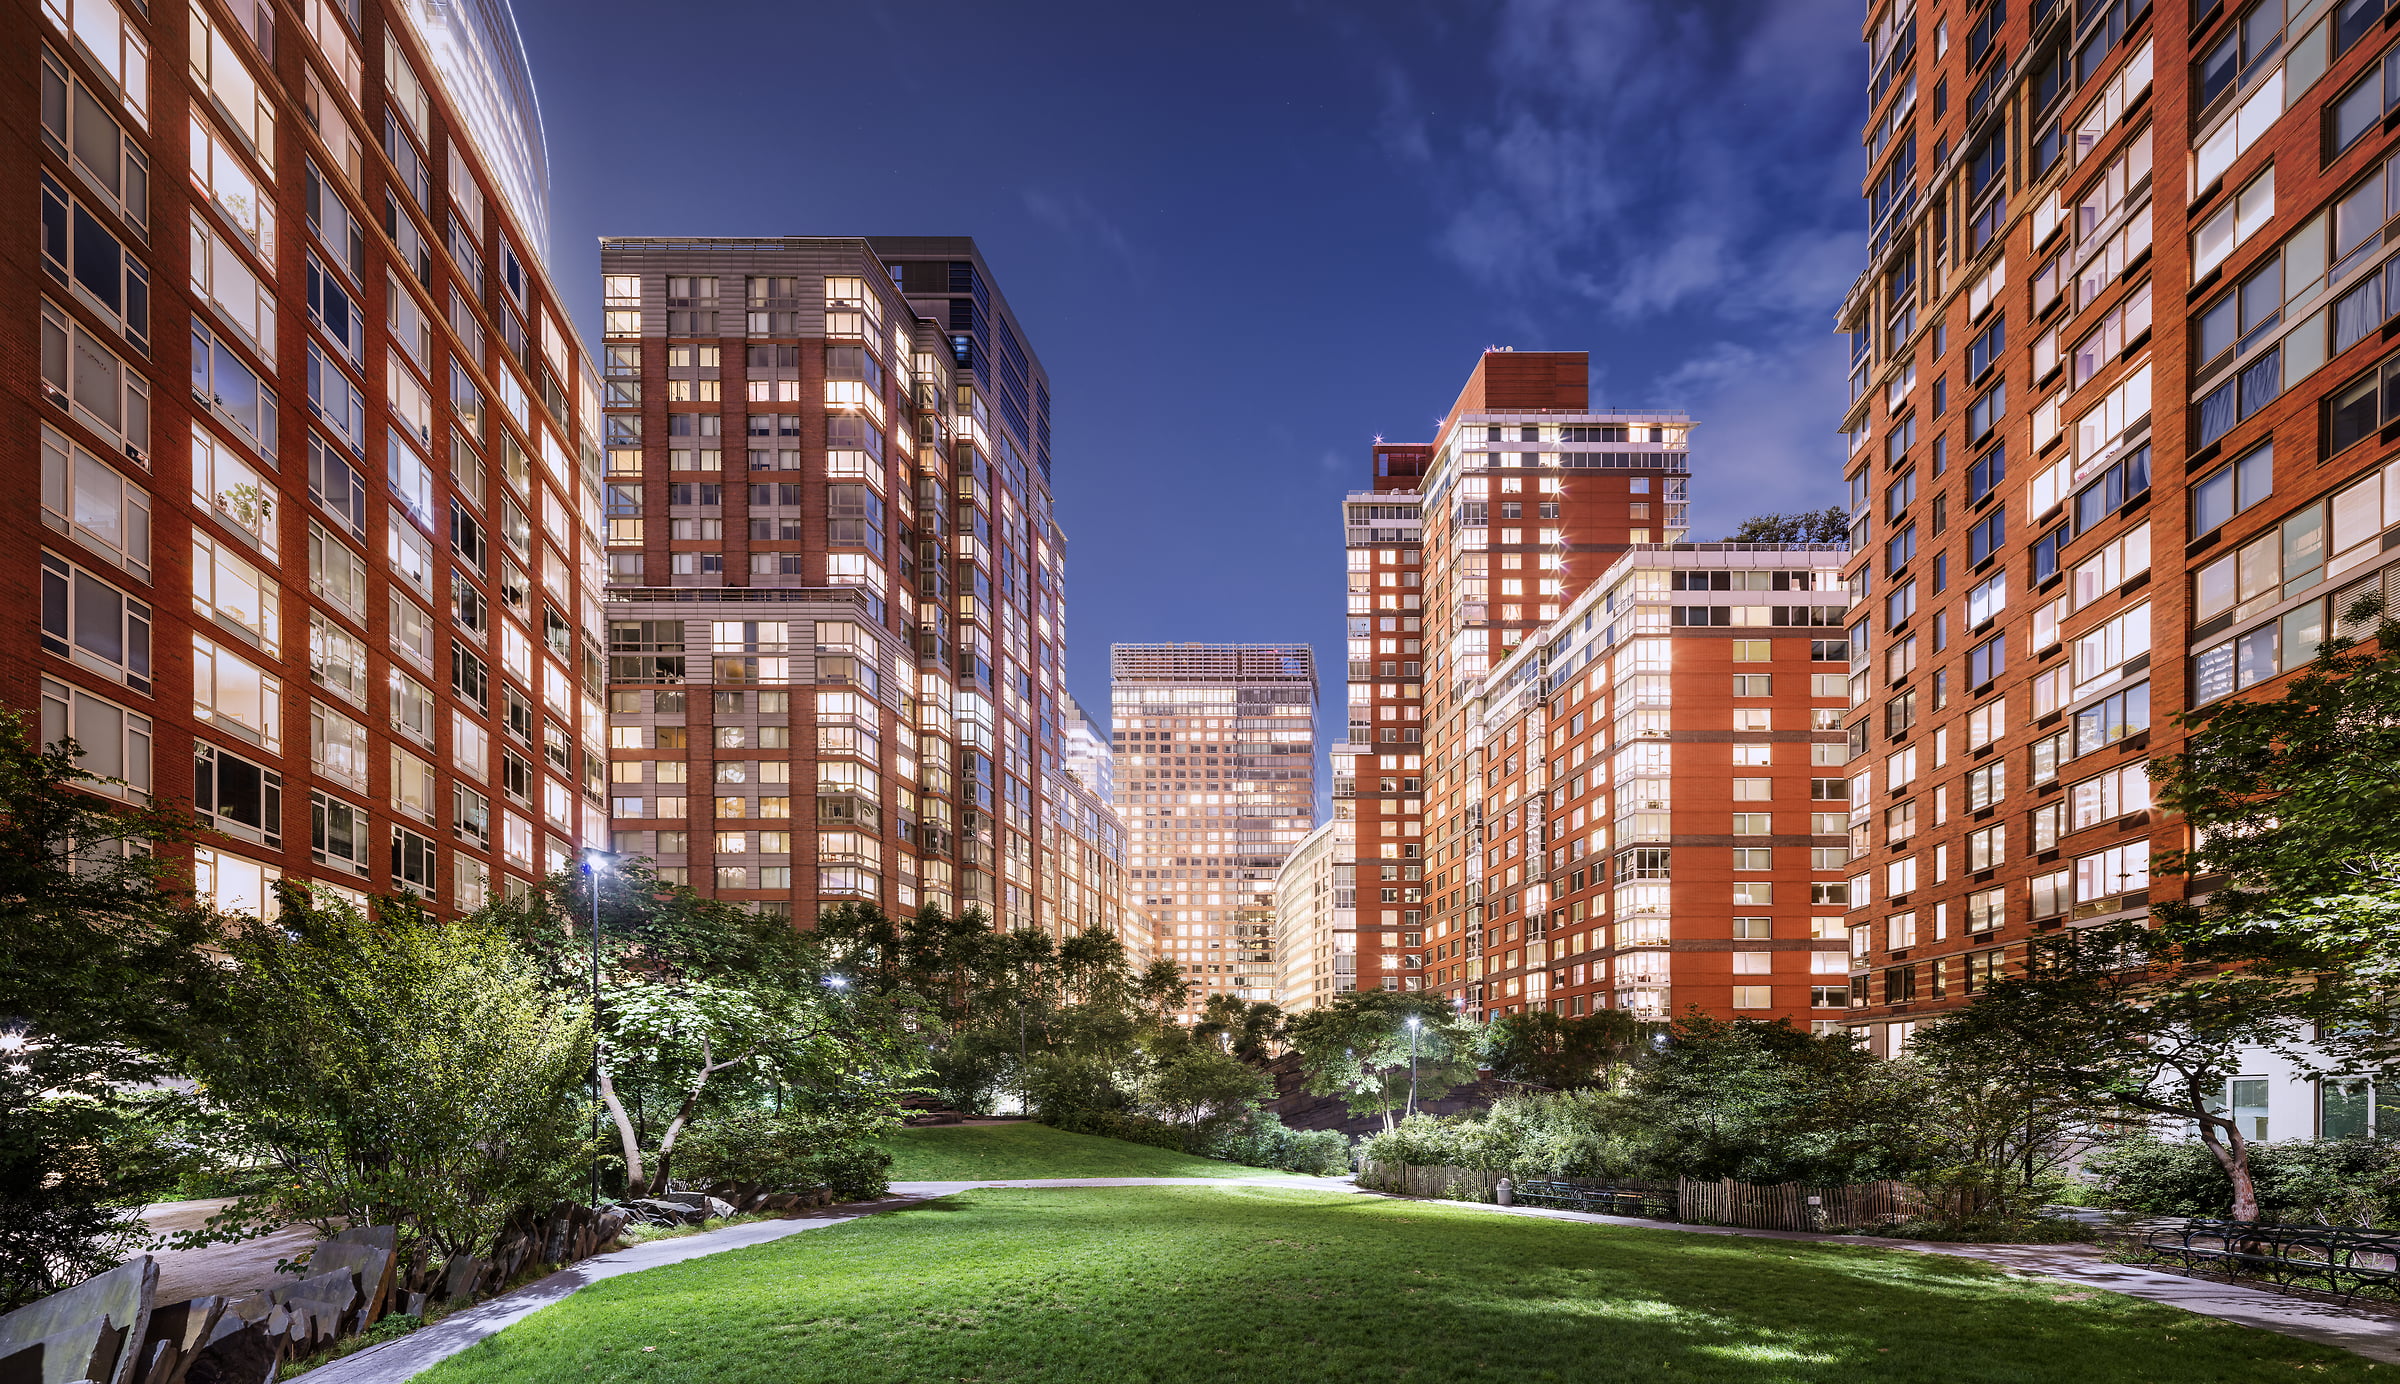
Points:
(1072, 215)
(1684, 176)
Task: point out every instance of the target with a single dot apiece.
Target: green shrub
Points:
(1260, 1142)
(1133, 1129)
(1062, 1084)
(404, 1071)
(2331, 1181)
(855, 1172)
(772, 1151)
(1593, 1134)
(1267, 1143)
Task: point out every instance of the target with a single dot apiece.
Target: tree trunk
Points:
(691, 1103)
(625, 1134)
(2234, 1157)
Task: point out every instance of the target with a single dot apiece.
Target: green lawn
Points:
(1157, 1284)
(964, 1153)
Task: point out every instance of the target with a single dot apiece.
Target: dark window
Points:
(1984, 348)
(1901, 547)
(2354, 20)
(1985, 535)
(1986, 472)
(2259, 35)
(2364, 406)
(233, 795)
(1986, 412)
(2360, 109)
(470, 676)
(2045, 554)
(2117, 487)
(1900, 494)
(2106, 29)
(2232, 488)
(1986, 162)
(1987, 660)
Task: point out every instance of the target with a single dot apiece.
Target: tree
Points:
(708, 1008)
(2294, 804)
(1203, 1085)
(1766, 1102)
(1828, 525)
(399, 1071)
(998, 1001)
(2119, 1017)
(1246, 1030)
(1358, 1047)
(1540, 1048)
(1994, 1133)
(101, 934)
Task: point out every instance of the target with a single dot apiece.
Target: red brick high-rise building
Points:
(2054, 553)
(1587, 763)
(314, 444)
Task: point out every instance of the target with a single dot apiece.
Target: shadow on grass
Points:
(1163, 1285)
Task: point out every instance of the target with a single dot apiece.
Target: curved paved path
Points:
(2369, 1334)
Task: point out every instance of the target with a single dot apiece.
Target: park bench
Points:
(2335, 1259)
(1603, 1198)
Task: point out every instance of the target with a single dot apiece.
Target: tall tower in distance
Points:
(1216, 781)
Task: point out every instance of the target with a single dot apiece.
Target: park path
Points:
(2374, 1336)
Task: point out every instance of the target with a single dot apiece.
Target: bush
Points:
(403, 1072)
(1133, 1129)
(855, 1172)
(2331, 1181)
(764, 1149)
(1062, 1084)
(1595, 1134)
(1437, 1141)
(1267, 1143)
(1262, 1142)
(784, 1151)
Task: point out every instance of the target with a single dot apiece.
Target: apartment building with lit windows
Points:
(836, 590)
(1657, 781)
(1524, 497)
(1316, 927)
(2054, 553)
(1215, 748)
(1378, 766)
(339, 595)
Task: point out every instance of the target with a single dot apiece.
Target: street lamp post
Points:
(594, 861)
(1414, 1023)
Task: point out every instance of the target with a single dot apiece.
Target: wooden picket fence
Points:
(1435, 1182)
(1751, 1205)
(1792, 1205)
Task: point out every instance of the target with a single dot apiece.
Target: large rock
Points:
(92, 1331)
(699, 1201)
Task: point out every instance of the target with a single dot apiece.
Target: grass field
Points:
(961, 1153)
(1177, 1285)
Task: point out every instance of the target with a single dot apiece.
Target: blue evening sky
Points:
(1248, 237)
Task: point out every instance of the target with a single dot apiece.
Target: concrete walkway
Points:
(2374, 1336)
